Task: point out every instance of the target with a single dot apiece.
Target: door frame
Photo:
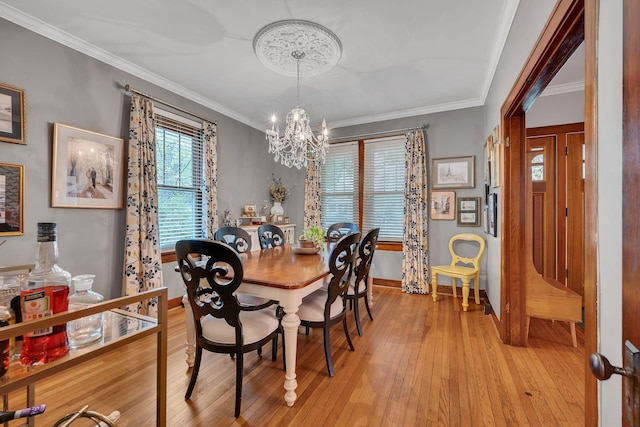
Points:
(570, 23)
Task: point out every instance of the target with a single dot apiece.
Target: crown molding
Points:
(40, 27)
(66, 39)
(401, 114)
(504, 26)
(563, 88)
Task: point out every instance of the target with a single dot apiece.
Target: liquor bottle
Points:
(45, 292)
(84, 331)
(6, 416)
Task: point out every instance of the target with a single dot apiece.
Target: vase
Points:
(277, 209)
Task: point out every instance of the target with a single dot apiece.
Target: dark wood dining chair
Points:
(359, 286)
(270, 236)
(236, 237)
(222, 324)
(327, 306)
(339, 229)
(240, 240)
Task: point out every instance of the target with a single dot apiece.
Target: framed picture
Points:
(485, 221)
(492, 215)
(453, 172)
(87, 169)
(488, 152)
(12, 118)
(496, 158)
(250, 210)
(468, 211)
(11, 199)
(443, 204)
(279, 219)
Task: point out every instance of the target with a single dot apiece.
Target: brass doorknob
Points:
(602, 369)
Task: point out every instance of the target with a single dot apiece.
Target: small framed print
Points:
(469, 211)
(11, 199)
(87, 169)
(279, 219)
(492, 214)
(453, 172)
(443, 205)
(12, 118)
(250, 210)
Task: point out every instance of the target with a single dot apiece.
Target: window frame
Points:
(168, 253)
(384, 245)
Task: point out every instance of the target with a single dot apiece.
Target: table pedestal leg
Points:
(290, 324)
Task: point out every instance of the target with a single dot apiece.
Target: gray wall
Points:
(556, 110)
(528, 23)
(64, 86)
(451, 133)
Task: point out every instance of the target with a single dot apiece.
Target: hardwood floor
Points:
(419, 363)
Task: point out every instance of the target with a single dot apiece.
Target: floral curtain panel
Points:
(415, 247)
(210, 184)
(142, 256)
(312, 213)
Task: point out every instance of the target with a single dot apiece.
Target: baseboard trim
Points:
(387, 282)
(448, 290)
(174, 302)
(442, 289)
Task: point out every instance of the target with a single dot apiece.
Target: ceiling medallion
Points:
(296, 48)
(275, 43)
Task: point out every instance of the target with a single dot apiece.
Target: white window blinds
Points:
(384, 183)
(179, 160)
(339, 184)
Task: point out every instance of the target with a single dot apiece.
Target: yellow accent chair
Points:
(455, 271)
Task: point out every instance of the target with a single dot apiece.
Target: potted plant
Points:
(312, 236)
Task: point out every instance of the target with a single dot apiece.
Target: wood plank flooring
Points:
(419, 363)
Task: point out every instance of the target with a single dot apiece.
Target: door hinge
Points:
(566, 273)
(506, 142)
(506, 308)
(566, 211)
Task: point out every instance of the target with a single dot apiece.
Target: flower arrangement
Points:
(315, 235)
(277, 190)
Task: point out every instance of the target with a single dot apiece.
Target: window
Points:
(383, 192)
(339, 185)
(179, 149)
(537, 167)
(378, 201)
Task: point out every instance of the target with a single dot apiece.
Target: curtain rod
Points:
(128, 88)
(384, 132)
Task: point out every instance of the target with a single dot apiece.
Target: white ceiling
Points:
(399, 59)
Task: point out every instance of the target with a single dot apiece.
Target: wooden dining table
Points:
(282, 275)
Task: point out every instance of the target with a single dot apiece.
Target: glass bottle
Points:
(45, 292)
(87, 329)
(8, 315)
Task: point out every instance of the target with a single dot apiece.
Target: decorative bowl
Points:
(306, 244)
(297, 249)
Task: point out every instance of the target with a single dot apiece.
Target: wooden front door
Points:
(555, 158)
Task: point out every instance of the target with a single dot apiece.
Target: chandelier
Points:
(313, 49)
